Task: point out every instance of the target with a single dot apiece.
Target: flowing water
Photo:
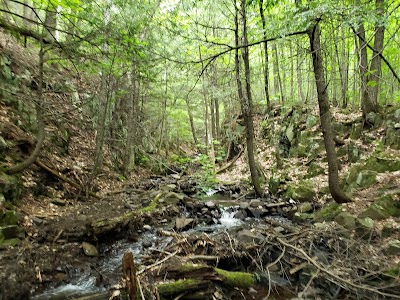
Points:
(111, 266)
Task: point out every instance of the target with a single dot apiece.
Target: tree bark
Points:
(277, 75)
(266, 62)
(246, 98)
(325, 116)
(40, 123)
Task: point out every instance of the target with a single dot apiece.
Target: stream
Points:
(109, 266)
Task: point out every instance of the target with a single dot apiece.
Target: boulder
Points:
(366, 178)
(254, 203)
(11, 187)
(393, 248)
(390, 205)
(375, 212)
(303, 191)
(346, 219)
(247, 236)
(10, 232)
(365, 227)
(305, 207)
(89, 249)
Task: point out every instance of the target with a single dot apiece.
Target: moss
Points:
(177, 286)
(303, 191)
(237, 279)
(153, 204)
(392, 272)
(391, 206)
(328, 213)
(383, 164)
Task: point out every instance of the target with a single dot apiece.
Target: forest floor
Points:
(57, 219)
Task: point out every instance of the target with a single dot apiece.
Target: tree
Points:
(325, 116)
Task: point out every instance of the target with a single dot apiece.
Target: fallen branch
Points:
(223, 168)
(42, 165)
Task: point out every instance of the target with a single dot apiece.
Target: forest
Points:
(183, 149)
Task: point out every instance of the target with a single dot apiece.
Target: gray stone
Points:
(393, 248)
(210, 204)
(89, 249)
(204, 210)
(240, 215)
(247, 236)
(279, 229)
(37, 220)
(10, 232)
(147, 244)
(147, 227)
(172, 195)
(255, 212)
(183, 223)
(256, 203)
(175, 176)
(303, 191)
(346, 219)
(169, 187)
(244, 205)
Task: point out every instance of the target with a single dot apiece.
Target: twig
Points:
(140, 288)
(157, 263)
(301, 294)
(338, 278)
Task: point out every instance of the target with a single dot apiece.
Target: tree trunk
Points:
(266, 62)
(40, 123)
(325, 116)
(246, 99)
(299, 76)
(193, 129)
(277, 76)
(50, 23)
(375, 68)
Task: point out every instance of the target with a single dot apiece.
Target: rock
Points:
(353, 152)
(305, 207)
(147, 227)
(204, 210)
(37, 220)
(311, 121)
(247, 236)
(59, 202)
(173, 198)
(240, 215)
(183, 223)
(9, 243)
(9, 217)
(366, 178)
(274, 184)
(147, 244)
(89, 249)
(375, 212)
(11, 187)
(383, 164)
(371, 118)
(256, 203)
(10, 232)
(303, 191)
(244, 205)
(176, 176)
(255, 212)
(169, 187)
(356, 131)
(210, 204)
(328, 212)
(393, 248)
(365, 227)
(279, 229)
(390, 205)
(346, 219)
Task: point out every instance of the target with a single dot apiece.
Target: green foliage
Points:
(207, 174)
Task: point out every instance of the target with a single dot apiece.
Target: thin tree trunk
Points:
(299, 76)
(325, 117)
(40, 123)
(376, 66)
(291, 71)
(266, 62)
(164, 110)
(277, 77)
(246, 99)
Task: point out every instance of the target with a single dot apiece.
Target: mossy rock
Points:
(382, 164)
(11, 187)
(353, 152)
(9, 243)
(10, 232)
(356, 131)
(375, 212)
(366, 178)
(390, 205)
(303, 191)
(392, 138)
(365, 227)
(328, 213)
(346, 219)
(393, 248)
(274, 184)
(311, 121)
(9, 217)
